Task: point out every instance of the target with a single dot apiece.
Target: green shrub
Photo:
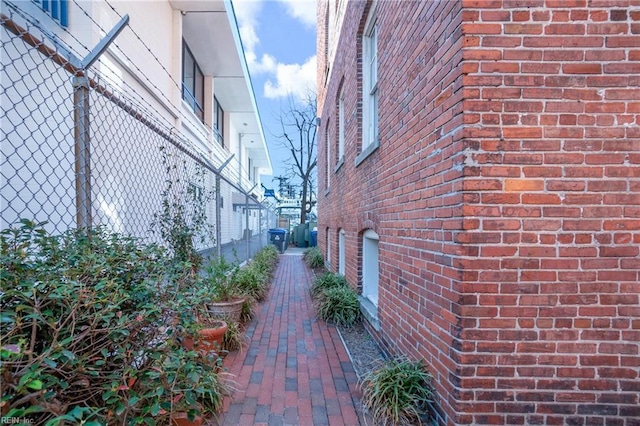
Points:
(251, 282)
(340, 306)
(313, 257)
(398, 393)
(180, 380)
(233, 337)
(327, 281)
(84, 330)
(266, 259)
(76, 314)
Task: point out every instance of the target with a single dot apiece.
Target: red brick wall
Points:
(506, 193)
(551, 210)
(409, 190)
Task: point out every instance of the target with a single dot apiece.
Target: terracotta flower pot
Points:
(181, 419)
(230, 310)
(209, 339)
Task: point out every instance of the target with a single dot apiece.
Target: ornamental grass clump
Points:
(327, 281)
(313, 258)
(266, 259)
(340, 306)
(252, 282)
(399, 392)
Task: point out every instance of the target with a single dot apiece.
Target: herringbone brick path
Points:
(295, 370)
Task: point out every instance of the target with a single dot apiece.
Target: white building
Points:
(178, 64)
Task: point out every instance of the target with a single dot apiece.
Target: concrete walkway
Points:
(295, 370)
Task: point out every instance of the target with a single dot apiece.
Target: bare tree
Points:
(298, 136)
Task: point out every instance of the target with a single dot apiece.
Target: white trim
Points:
(342, 259)
(370, 81)
(341, 124)
(370, 266)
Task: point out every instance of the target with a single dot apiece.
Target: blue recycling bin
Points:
(278, 238)
(313, 241)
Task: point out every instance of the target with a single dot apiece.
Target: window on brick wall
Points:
(328, 150)
(328, 259)
(370, 266)
(370, 83)
(341, 253)
(341, 126)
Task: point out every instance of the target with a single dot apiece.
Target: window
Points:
(328, 171)
(192, 82)
(370, 266)
(341, 253)
(57, 9)
(218, 122)
(370, 84)
(328, 247)
(195, 190)
(341, 125)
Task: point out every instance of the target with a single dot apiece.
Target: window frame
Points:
(218, 121)
(190, 94)
(371, 266)
(340, 128)
(342, 259)
(370, 139)
(328, 157)
(58, 10)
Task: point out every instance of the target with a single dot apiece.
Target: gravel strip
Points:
(362, 349)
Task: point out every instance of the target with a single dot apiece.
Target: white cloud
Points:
(295, 80)
(302, 10)
(247, 12)
(285, 80)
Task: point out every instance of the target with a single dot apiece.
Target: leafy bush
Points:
(84, 330)
(180, 380)
(327, 281)
(340, 306)
(313, 257)
(398, 393)
(76, 314)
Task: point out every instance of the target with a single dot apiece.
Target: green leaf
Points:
(133, 400)
(70, 355)
(155, 409)
(35, 385)
(50, 363)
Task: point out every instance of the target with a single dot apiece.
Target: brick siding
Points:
(506, 194)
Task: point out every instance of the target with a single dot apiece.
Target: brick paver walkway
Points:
(295, 370)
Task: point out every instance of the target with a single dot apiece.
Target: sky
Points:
(279, 40)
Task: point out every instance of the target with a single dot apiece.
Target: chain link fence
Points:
(77, 152)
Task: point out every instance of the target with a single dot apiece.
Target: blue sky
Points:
(279, 39)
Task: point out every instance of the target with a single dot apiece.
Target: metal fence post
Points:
(260, 226)
(82, 127)
(247, 231)
(218, 218)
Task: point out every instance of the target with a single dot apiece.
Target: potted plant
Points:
(223, 297)
(181, 386)
(199, 329)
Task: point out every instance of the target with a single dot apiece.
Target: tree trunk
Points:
(303, 203)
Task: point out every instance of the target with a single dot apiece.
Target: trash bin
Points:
(301, 231)
(314, 239)
(278, 237)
